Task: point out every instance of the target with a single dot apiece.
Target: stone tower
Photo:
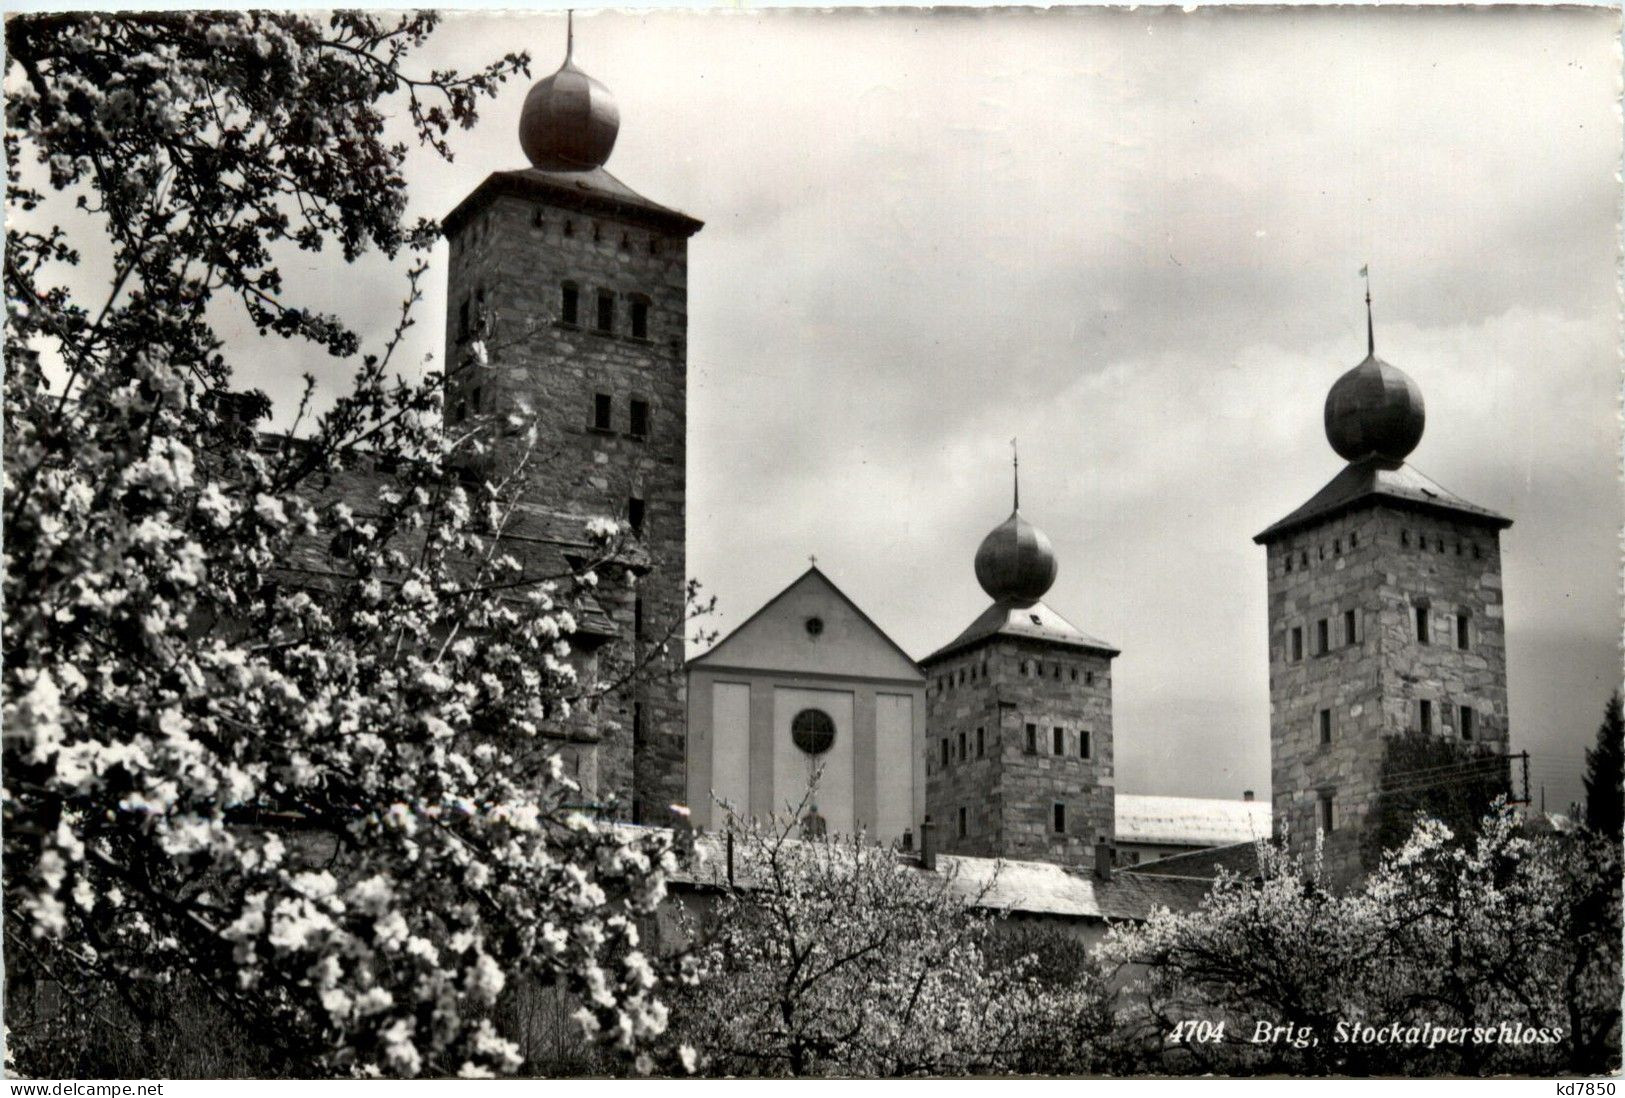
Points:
(1019, 718)
(1385, 616)
(568, 295)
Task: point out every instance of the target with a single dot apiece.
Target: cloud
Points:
(1129, 237)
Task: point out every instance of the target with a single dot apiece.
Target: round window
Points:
(813, 731)
(815, 626)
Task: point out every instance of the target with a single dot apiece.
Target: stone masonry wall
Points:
(1379, 564)
(509, 263)
(1009, 794)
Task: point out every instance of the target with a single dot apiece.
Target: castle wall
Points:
(510, 262)
(980, 704)
(1332, 705)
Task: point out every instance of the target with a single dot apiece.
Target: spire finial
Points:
(1015, 473)
(1370, 332)
(569, 35)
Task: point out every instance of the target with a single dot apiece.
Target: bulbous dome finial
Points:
(1016, 562)
(1375, 410)
(569, 121)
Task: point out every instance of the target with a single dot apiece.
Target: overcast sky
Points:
(1132, 239)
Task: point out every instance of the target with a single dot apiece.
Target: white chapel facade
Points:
(809, 683)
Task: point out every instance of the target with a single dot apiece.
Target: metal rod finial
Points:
(1015, 472)
(1370, 331)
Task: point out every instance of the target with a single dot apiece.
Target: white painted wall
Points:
(730, 746)
(793, 768)
(894, 766)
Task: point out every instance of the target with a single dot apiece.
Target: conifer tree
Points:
(1605, 774)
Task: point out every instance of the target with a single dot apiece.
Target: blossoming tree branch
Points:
(326, 805)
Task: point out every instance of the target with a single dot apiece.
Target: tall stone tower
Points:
(1385, 616)
(568, 295)
(1019, 718)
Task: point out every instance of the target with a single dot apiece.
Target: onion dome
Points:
(569, 120)
(1016, 563)
(1374, 410)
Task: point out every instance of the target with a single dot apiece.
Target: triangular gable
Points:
(847, 642)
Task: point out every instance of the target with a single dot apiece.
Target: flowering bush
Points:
(1511, 941)
(325, 797)
(836, 958)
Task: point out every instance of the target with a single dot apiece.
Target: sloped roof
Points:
(1240, 859)
(1190, 821)
(1035, 622)
(1373, 480)
(594, 191)
(995, 884)
(1042, 888)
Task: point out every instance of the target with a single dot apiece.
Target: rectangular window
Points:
(947, 752)
(1328, 814)
(1325, 726)
(981, 742)
(1424, 716)
(634, 514)
(1349, 631)
(962, 755)
(1466, 722)
(602, 411)
(1297, 643)
(1058, 819)
(640, 418)
(1323, 636)
(1461, 631)
(1032, 739)
(1058, 742)
(1421, 625)
(1083, 743)
(964, 822)
(637, 722)
(640, 320)
(606, 311)
(461, 412)
(569, 304)
(478, 399)
(462, 321)
(637, 616)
